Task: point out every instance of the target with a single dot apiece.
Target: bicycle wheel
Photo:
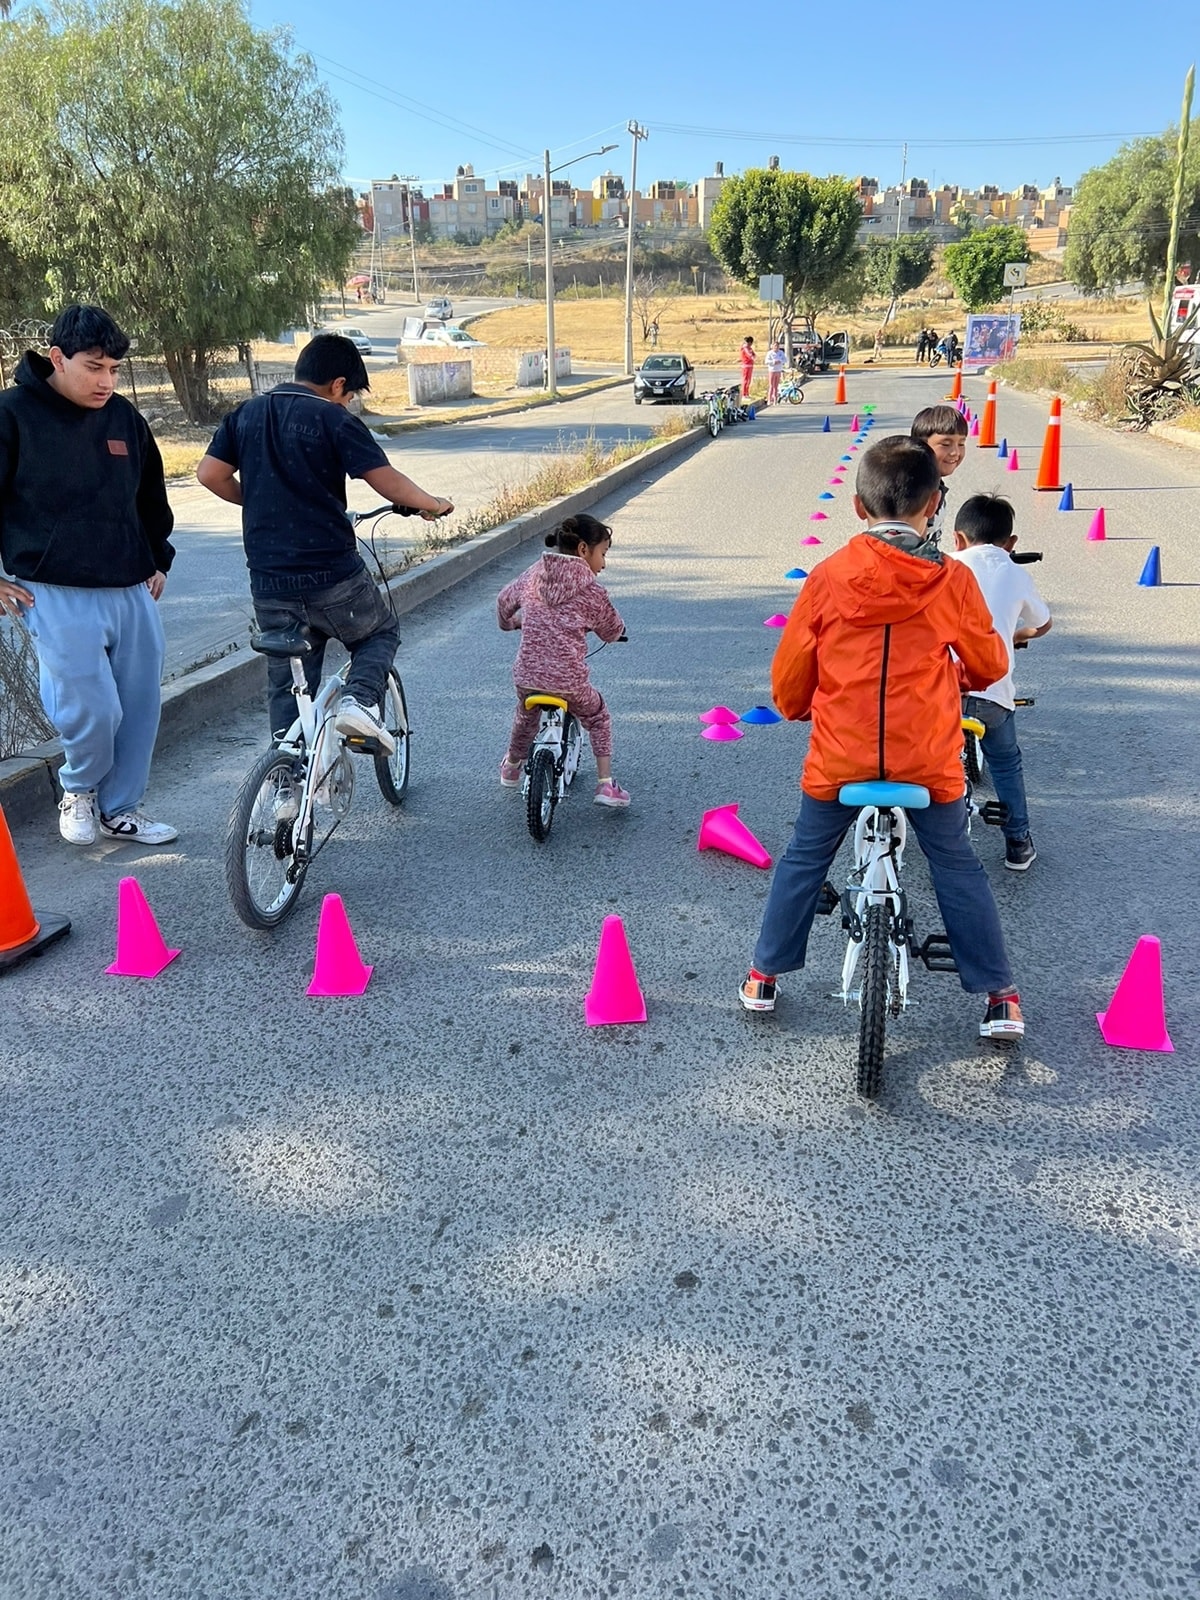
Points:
(572, 747)
(972, 757)
(392, 771)
(262, 873)
(797, 396)
(874, 969)
(540, 801)
(714, 423)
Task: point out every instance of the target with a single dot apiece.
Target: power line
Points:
(688, 131)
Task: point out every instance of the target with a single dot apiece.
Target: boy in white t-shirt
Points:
(983, 541)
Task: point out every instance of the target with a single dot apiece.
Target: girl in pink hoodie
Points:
(555, 605)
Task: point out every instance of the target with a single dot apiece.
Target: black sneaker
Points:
(1019, 854)
(1002, 1021)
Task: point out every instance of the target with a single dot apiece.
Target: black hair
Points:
(78, 328)
(985, 519)
(569, 534)
(329, 356)
(938, 419)
(749, 339)
(897, 477)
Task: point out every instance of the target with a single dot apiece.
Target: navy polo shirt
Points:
(293, 452)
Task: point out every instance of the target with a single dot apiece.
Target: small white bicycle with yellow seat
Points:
(552, 763)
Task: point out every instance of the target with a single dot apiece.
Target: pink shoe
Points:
(610, 793)
(510, 773)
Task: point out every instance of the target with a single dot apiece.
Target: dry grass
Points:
(1035, 373)
(1188, 418)
(181, 457)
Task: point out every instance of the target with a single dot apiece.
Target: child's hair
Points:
(897, 477)
(938, 419)
(985, 519)
(749, 339)
(329, 356)
(568, 536)
(78, 328)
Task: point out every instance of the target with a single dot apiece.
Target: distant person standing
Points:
(747, 358)
(922, 345)
(654, 334)
(931, 343)
(84, 530)
(775, 363)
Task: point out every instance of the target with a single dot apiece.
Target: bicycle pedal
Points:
(937, 954)
(994, 813)
(828, 900)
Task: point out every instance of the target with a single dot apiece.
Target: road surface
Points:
(436, 1295)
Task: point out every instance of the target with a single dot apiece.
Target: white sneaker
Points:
(137, 827)
(77, 817)
(353, 718)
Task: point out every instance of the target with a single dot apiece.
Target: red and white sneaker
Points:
(1002, 1021)
(759, 991)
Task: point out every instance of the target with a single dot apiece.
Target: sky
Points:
(983, 94)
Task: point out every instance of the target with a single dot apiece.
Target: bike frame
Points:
(308, 738)
(880, 837)
(551, 735)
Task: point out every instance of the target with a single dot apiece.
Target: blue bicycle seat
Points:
(878, 792)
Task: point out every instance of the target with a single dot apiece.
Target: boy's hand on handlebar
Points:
(444, 508)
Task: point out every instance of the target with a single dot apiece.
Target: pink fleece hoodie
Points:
(556, 603)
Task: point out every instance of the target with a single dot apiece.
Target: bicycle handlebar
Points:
(1025, 558)
(359, 517)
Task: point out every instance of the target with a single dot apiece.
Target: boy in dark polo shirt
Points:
(284, 457)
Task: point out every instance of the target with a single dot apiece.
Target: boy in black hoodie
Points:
(84, 525)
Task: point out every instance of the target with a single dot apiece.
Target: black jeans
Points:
(353, 612)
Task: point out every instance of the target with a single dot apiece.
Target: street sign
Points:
(770, 286)
(1014, 274)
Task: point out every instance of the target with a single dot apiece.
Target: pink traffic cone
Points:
(615, 995)
(810, 538)
(818, 516)
(1013, 464)
(975, 428)
(854, 425)
(718, 714)
(722, 829)
(141, 949)
(1135, 1019)
(1097, 531)
(338, 969)
(777, 621)
(722, 733)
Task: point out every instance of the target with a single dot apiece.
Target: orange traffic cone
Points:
(987, 428)
(839, 398)
(722, 829)
(1048, 475)
(21, 933)
(956, 386)
(615, 995)
(1136, 1018)
(141, 949)
(338, 968)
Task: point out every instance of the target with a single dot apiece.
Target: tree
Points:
(176, 165)
(896, 266)
(649, 297)
(975, 265)
(791, 223)
(1121, 216)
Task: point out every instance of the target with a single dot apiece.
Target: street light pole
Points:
(412, 237)
(638, 134)
(551, 372)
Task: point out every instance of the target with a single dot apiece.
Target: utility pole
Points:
(412, 235)
(638, 134)
(551, 374)
(900, 193)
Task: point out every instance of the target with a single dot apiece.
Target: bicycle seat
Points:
(973, 725)
(878, 792)
(286, 642)
(532, 701)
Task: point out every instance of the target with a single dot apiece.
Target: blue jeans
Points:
(100, 659)
(1003, 756)
(964, 895)
(352, 611)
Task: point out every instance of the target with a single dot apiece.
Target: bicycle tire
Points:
(572, 741)
(972, 757)
(259, 849)
(391, 771)
(541, 799)
(714, 423)
(873, 997)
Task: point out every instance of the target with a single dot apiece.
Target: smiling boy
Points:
(944, 430)
(84, 525)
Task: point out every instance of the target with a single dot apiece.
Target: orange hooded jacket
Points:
(866, 656)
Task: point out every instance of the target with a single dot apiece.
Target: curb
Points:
(1184, 436)
(28, 783)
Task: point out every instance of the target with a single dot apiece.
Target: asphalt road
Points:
(436, 1295)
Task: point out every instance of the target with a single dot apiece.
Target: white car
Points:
(439, 309)
(356, 337)
(457, 337)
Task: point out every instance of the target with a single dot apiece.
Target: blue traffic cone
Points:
(1151, 576)
(826, 428)
(1003, 450)
(796, 572)
(1067, 503)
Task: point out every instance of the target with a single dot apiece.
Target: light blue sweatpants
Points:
(100, 653)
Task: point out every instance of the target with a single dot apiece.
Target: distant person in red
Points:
(747, 359)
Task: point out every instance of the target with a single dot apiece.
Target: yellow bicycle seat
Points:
(969, 725)
(532, 701)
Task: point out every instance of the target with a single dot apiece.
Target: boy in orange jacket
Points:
(866, 656)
